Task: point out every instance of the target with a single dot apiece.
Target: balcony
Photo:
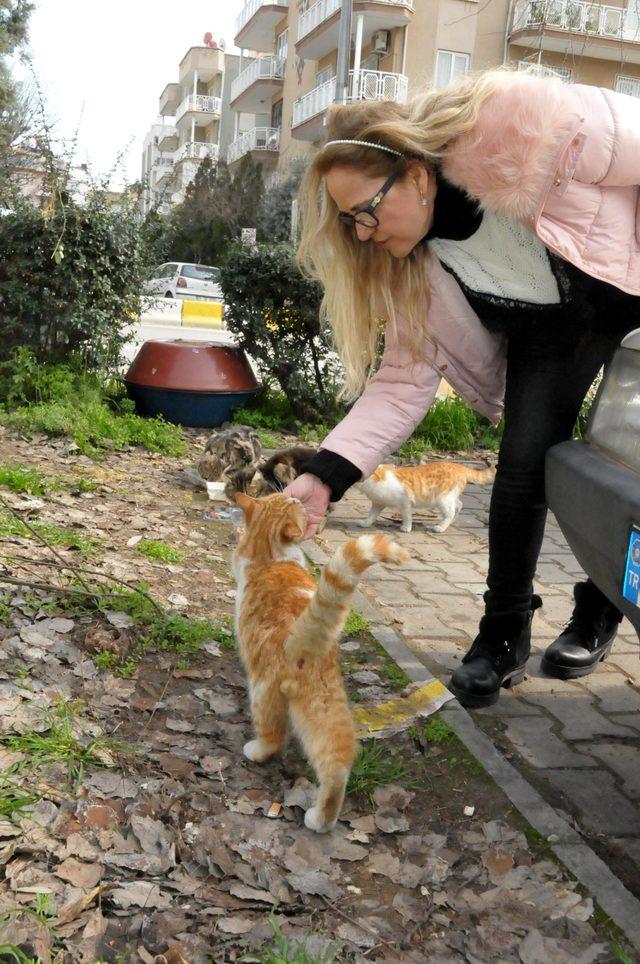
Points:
(555, 24)
(165, 176)
(168, 140)
(253, 89)
(169, 100)
(256, 25)
(265, 141)
(319, 26)
(204, 109)
(197, 151)
(203, 62)
(308, 120)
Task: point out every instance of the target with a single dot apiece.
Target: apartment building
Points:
(398, 46)
(194, 122)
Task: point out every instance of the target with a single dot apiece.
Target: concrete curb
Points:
(568, 846)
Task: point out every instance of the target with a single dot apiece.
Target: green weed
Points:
(9, 953)
(437, 731)
(55, 535)
(14, 798)
(376, 765)
(356, 623)
(267, 439)
(289, 951)
(394, 675)
(24, 478)
(155, 549)
(6, 618)
(58, 743)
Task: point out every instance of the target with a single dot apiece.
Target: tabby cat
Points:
(287, 630)
(435, 486)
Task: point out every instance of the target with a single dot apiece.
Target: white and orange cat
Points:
(287, 630)
(436, 486)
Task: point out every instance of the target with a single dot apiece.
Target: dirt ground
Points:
(170, 842)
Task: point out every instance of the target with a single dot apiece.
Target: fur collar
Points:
(509, 158)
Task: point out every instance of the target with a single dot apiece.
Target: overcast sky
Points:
(104, 66)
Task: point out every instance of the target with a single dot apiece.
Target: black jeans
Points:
(550, 368)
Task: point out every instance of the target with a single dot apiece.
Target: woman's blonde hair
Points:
(361, 282)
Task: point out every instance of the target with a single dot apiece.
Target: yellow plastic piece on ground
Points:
(422, 699)
(202, 314)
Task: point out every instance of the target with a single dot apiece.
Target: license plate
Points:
(631, 584)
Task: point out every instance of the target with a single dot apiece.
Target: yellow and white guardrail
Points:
(181, 312)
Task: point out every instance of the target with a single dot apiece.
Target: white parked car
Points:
(176, 279)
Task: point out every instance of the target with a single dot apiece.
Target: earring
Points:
(423, 199)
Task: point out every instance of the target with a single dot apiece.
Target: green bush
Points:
(65, 400)
(70, 274)
(274, 313)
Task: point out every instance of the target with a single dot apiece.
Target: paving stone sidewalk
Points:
(577, 742)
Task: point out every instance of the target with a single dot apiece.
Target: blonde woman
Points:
(494, 226)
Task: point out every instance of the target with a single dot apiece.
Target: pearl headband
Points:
(380, 147)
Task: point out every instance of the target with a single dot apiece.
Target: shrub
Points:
(71, 276)
(274, 313)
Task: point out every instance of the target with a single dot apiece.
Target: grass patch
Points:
(290, 951)
(58, 743)
(395, 676)
(11, 953)
(267, 440)
(66, 400)
(375, 765)
(55, 535)
(155, 549)
(15, 800)
(24, 478)
(6, 617)
(437, 733)
(356, 623)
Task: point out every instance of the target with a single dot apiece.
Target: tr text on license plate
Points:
(631, 584)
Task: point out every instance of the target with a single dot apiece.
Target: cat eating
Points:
(287, 630)
(436, 486)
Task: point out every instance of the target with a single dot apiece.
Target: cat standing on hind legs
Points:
(436, 486)
(288, 630)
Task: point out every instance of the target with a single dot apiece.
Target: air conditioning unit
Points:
(381, 40)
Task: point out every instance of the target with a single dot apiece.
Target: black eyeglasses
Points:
(365, 215)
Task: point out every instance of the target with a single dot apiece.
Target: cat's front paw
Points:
(405, 528)
(313, 820)
(256, 751)
(364, 523)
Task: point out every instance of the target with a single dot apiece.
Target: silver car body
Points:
(179, 279)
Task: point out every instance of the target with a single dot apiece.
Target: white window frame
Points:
(632, 81)
(282, 44)
(458, 66)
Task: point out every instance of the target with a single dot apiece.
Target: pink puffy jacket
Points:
(565, 161)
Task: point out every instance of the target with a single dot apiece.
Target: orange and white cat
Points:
(287, 630)
(436, 486)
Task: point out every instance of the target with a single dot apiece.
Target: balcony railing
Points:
(257, 139)
(264, 68)
(197, 150)
(363, 85)
(323, 9)
(252, 7)
(575, 16)
(199, 102)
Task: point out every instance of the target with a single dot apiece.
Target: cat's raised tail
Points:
(317, 629)
(480, 476)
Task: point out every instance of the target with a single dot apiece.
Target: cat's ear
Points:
(246, 503)
(295, 526)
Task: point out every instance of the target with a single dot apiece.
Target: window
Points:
(276, 114)
(201, 272)
(544, 70)
(282, 45)
(450, 66)
(628, 85)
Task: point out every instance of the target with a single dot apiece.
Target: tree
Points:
(274, 219)
(274, 313)
(14, 20)
(217, 205)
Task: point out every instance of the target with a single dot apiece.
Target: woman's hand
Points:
(314, 496)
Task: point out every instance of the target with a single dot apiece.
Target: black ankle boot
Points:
(587, 638)
(497, 657)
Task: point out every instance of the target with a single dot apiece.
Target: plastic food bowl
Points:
(190, 382)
